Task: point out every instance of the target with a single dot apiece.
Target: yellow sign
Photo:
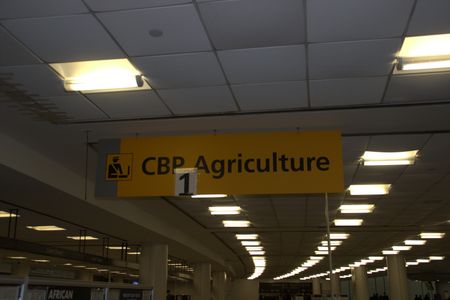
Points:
(238, 164)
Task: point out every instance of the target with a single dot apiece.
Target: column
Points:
(359, 283)
(336, 284)
(153, 269)
(316, 286)
(398, 282)
(219, 280)
(202, 282)
(21, 269)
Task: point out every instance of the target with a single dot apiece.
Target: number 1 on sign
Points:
(185, 182)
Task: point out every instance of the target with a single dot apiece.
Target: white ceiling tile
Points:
(36, 79)
(42, 8)
(69, 38)
(254, 23)
(280, 95)
(77, 107)
(123, 105)
(419, 87)
(199, 100)
(356, 19)
(347, 91)
(351, 59)
(259, 65)
(179, 26)
(12, 52)
(430, 17)
(101, 5)
(181, 70)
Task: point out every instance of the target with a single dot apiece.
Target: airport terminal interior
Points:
(225, 149)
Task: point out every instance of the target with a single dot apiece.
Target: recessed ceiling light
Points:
(225, 210)
(348, 222)
(46, 228)
(81, 238)
(100, 76)
(376, 257)
(415, 242)
(319, 258)
(432, 235)
(422, 260)
(390, 252)
(5, 214)
(437, 257)
(17, 257)
(41, 260)
(250, 243)
(411, 263)
(357, 208)
(339, 236)
(332, 243)
(257, 252)
(254, 248)
(67, 264)
(401, 248)
(319, 252)
(369, 189)
(322, 248)
(425, 52)
(236, 223)
(134, 253)
(210, 196)
(247, 236)
(117, 248)
(372, 158)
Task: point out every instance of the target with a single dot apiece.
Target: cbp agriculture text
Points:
(220, 167)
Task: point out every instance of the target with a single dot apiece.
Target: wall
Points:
(242, 289)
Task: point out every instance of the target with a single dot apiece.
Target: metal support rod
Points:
(330, 261)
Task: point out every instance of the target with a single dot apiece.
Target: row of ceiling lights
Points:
(370, 158)
(419, 53)
(249, 241)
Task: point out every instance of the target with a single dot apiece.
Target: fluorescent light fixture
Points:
(17, 257)
(425, 52)
(225, 210)
(81, 238)
(41, 260)
(411, 263)
(257, 252)
(376, 257)
(236, 223)
(320, 252)
(100, 76)
(79, 267)
(437, 257)
(415, 242)
(348, 222)
(372, 158)
(322, 248)
(6, 214)
(422, 260)
(369, 189)
(339, 236)
(67, 264)
(357, 208)
(318, 258)
(254, 248)
(117, 247)
(46, 228)
(134, 253)
(401, 248)
(251, 243)
(432, 235)
(332, 243)
(247, 236)
(390, 252)
(209, 196)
